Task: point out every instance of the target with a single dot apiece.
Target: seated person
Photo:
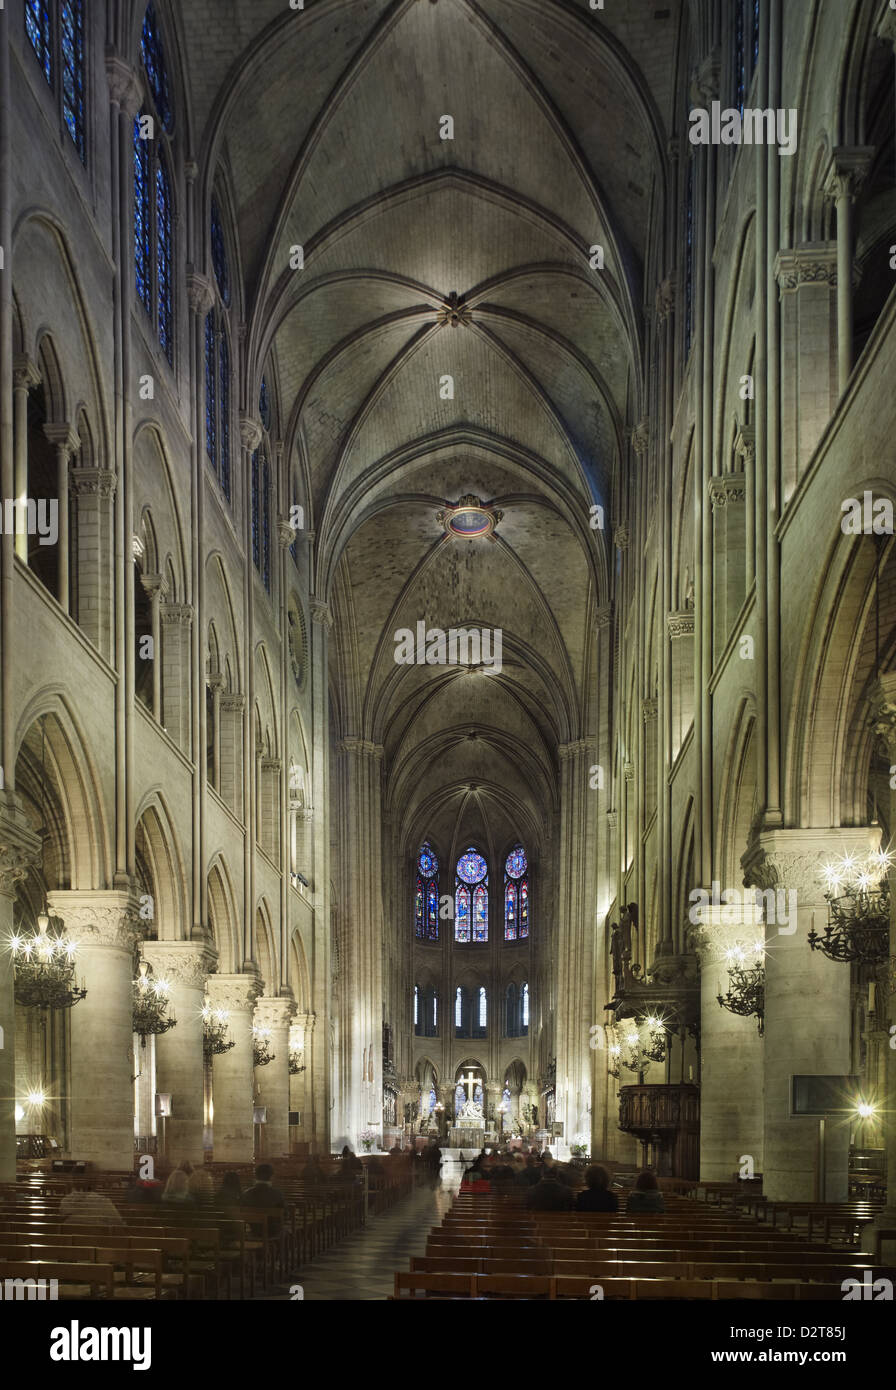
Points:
(177, 1190)
(84, 1205)
(646, 1195)
(550, 1194)
(263, 1193)
(597, 1196)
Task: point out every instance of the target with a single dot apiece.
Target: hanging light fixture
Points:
(261, 1050)
(44, 961)
(151, 1004)
(214, 1031)
(746, 982)
(296, 1065)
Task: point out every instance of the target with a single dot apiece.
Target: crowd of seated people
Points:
(554, 1186)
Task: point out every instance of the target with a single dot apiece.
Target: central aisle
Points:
(362, 1267)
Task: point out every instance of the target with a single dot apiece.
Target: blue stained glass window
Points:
(524, 909)
(740, 56)
(219, 254)
(516, 864)
(471, 867)
(418, 908)
(71, 43)
(427, 863)
(480, 913)
(462, 914)
(211, 431)
(142, 232)
(432, 912)
(153, 54)
(510, 917)
(266, 524)
(264, 404)
(224, 363)
(163, 257)
(755, 36)
(256, 553)
(37, 27)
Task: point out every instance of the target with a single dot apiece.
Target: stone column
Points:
(94, 490)
(272, 1081)
(233, 1088)
(361, 1060)
(807, 287)
(843, 179)
(176, 621)
(577, 913)
(66, 443)
(300, 1035)
(727, 492)
(320, 1084)
(680, 627)
(155, 588)
(25, 376)
(884, 712)
(807, 1006)
(731, 1048)
(104, 925)
(19, 848)
(179, 1064)
(230, 745)
(215, 682)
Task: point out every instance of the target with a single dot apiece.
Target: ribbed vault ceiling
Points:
(327, 124)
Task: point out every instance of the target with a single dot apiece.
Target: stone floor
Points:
(362, 1267)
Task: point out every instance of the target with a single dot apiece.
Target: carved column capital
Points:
(883, 708)
(727, 489)
(794, 859)
(274, 1012)
(250, 432)
(125, 90)
(705, 79)
(813, 263)
(177, 614)
(649, 710)
(847, 171)
(664, 300)
(234, 993)
(108, 919)
(24, 372)
(578, 747)
(92, 482)
(640, 437)
(745, 443)
(362, 747)
(200, 293)
(621, 537)
(285, 534)
(603, 618)
(680, 623)
(320, 613)
(63, 438)
(186, 963)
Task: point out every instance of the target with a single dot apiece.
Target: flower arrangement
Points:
(367, 1139)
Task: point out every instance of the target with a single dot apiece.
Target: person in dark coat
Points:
(263, 1193)
(597, 1196)
(550, 1194)
(646, 1195)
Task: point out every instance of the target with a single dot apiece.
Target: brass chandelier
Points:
(214, 1031)
(745, 995)
(150, 1005)
(44, 963)
(858, 898)
(261, 1047)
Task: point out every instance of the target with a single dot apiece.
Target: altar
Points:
(468, 1130)
(467, 1136)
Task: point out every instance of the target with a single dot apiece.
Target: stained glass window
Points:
(471, 909)
(483, 1009)
(435, 1013)
(211, 431)
(416, 1007)
(219, 254)
(153, 54)
(462, 914)
(525, 1009)
(266, 523)
(71, 46)
(740, 56)
(256, 538)
(264, 404)
(516, 895)
(163, 256)
(459, 1009)
(37, 27)
(418, 908)
(224, 365)
(142, 230)
(755, 35)
(426, 897)
(433, 1100)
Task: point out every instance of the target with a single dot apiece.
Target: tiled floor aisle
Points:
(362, 1267)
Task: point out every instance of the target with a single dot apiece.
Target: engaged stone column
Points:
(94, 492)
(274, 1016)
(807, 1006)
(177, 619)
(300, 1033)
(884, 705)
(727, 493)
(19, 848)
(845, 175)
(179, 1064)
(25, 376)
(66, 443)
(731, 1049)
(233, 1074)
(105, 926)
